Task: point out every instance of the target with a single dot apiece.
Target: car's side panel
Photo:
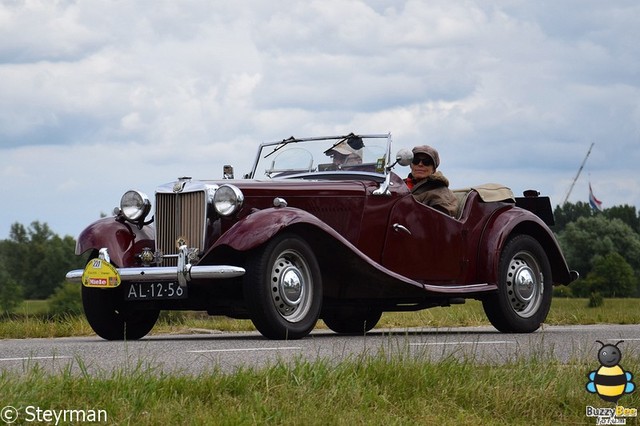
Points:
(423, 243)
(348, 207)
(338, 204)
(121, 239)
(256, 228)
(344, 257)
(375, 218)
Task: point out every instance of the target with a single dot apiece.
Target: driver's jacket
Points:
(434, 192)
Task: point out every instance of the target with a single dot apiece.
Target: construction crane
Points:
(578, 174)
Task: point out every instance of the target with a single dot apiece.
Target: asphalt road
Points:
(196, 353)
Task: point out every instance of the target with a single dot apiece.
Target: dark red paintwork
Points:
(352, 233)
(123, 240)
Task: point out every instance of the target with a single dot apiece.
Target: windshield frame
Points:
(264, 151)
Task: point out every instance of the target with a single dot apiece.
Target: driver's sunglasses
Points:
(425, 161)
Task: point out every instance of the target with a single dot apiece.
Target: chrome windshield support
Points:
(384, 187)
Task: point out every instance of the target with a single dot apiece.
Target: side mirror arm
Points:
(403, 158)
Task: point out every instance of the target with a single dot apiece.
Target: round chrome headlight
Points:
(135, 205)
(227, 200)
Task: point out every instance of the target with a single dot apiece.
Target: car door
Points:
(423, 244)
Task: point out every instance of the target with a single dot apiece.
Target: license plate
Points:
(155, 291)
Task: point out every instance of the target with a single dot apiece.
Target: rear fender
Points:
(260, 226)
(121, 239)
(513, 221)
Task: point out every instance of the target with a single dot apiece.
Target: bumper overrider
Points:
(183, 273)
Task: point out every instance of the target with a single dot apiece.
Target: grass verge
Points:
(369, 390)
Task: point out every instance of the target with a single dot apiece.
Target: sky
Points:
(99, 97)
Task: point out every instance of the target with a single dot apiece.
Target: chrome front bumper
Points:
(183, 273)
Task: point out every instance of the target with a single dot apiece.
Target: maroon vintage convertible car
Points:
(308, 234)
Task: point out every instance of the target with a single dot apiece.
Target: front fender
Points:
(260, 226)
(121, 239)
(511, 221)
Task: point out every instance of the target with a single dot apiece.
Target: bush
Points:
(595, 300)
(66, 300)
(10, 292)
(612, 276)
(562, 291)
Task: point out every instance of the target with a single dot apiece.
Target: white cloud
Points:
(101, 96)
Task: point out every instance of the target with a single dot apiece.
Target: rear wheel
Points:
(111, 318)
(523, 298)
(352, 321)
(283, 288)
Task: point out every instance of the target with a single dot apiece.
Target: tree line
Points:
(604, 247)
(33, 263)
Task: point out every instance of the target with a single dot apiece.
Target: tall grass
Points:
(375, 390)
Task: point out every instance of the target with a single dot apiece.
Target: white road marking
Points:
(283, 348)
(464, 343)
(29, 358)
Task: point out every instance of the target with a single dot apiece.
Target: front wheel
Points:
(109, 317)
(283, 288)
(523, 298)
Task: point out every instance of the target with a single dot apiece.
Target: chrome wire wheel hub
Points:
(525, 284)
(291, 288)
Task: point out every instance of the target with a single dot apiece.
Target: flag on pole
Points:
(593, 201)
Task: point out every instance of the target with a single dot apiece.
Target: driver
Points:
(427, 185)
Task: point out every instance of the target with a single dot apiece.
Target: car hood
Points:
(339, 204)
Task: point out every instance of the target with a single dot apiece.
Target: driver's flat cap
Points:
(430, 151)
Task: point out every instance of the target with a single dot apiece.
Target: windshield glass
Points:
(362, 153)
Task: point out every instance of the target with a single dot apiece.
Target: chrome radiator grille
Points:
(180, 217)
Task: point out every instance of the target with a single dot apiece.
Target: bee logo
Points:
(610, 381)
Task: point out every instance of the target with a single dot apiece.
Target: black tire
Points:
(523, 298)
(283, 288)
(352, 321)
(111, 319)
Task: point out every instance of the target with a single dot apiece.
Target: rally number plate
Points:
(154, 291)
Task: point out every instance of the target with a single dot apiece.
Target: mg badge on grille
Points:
(179, 185)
